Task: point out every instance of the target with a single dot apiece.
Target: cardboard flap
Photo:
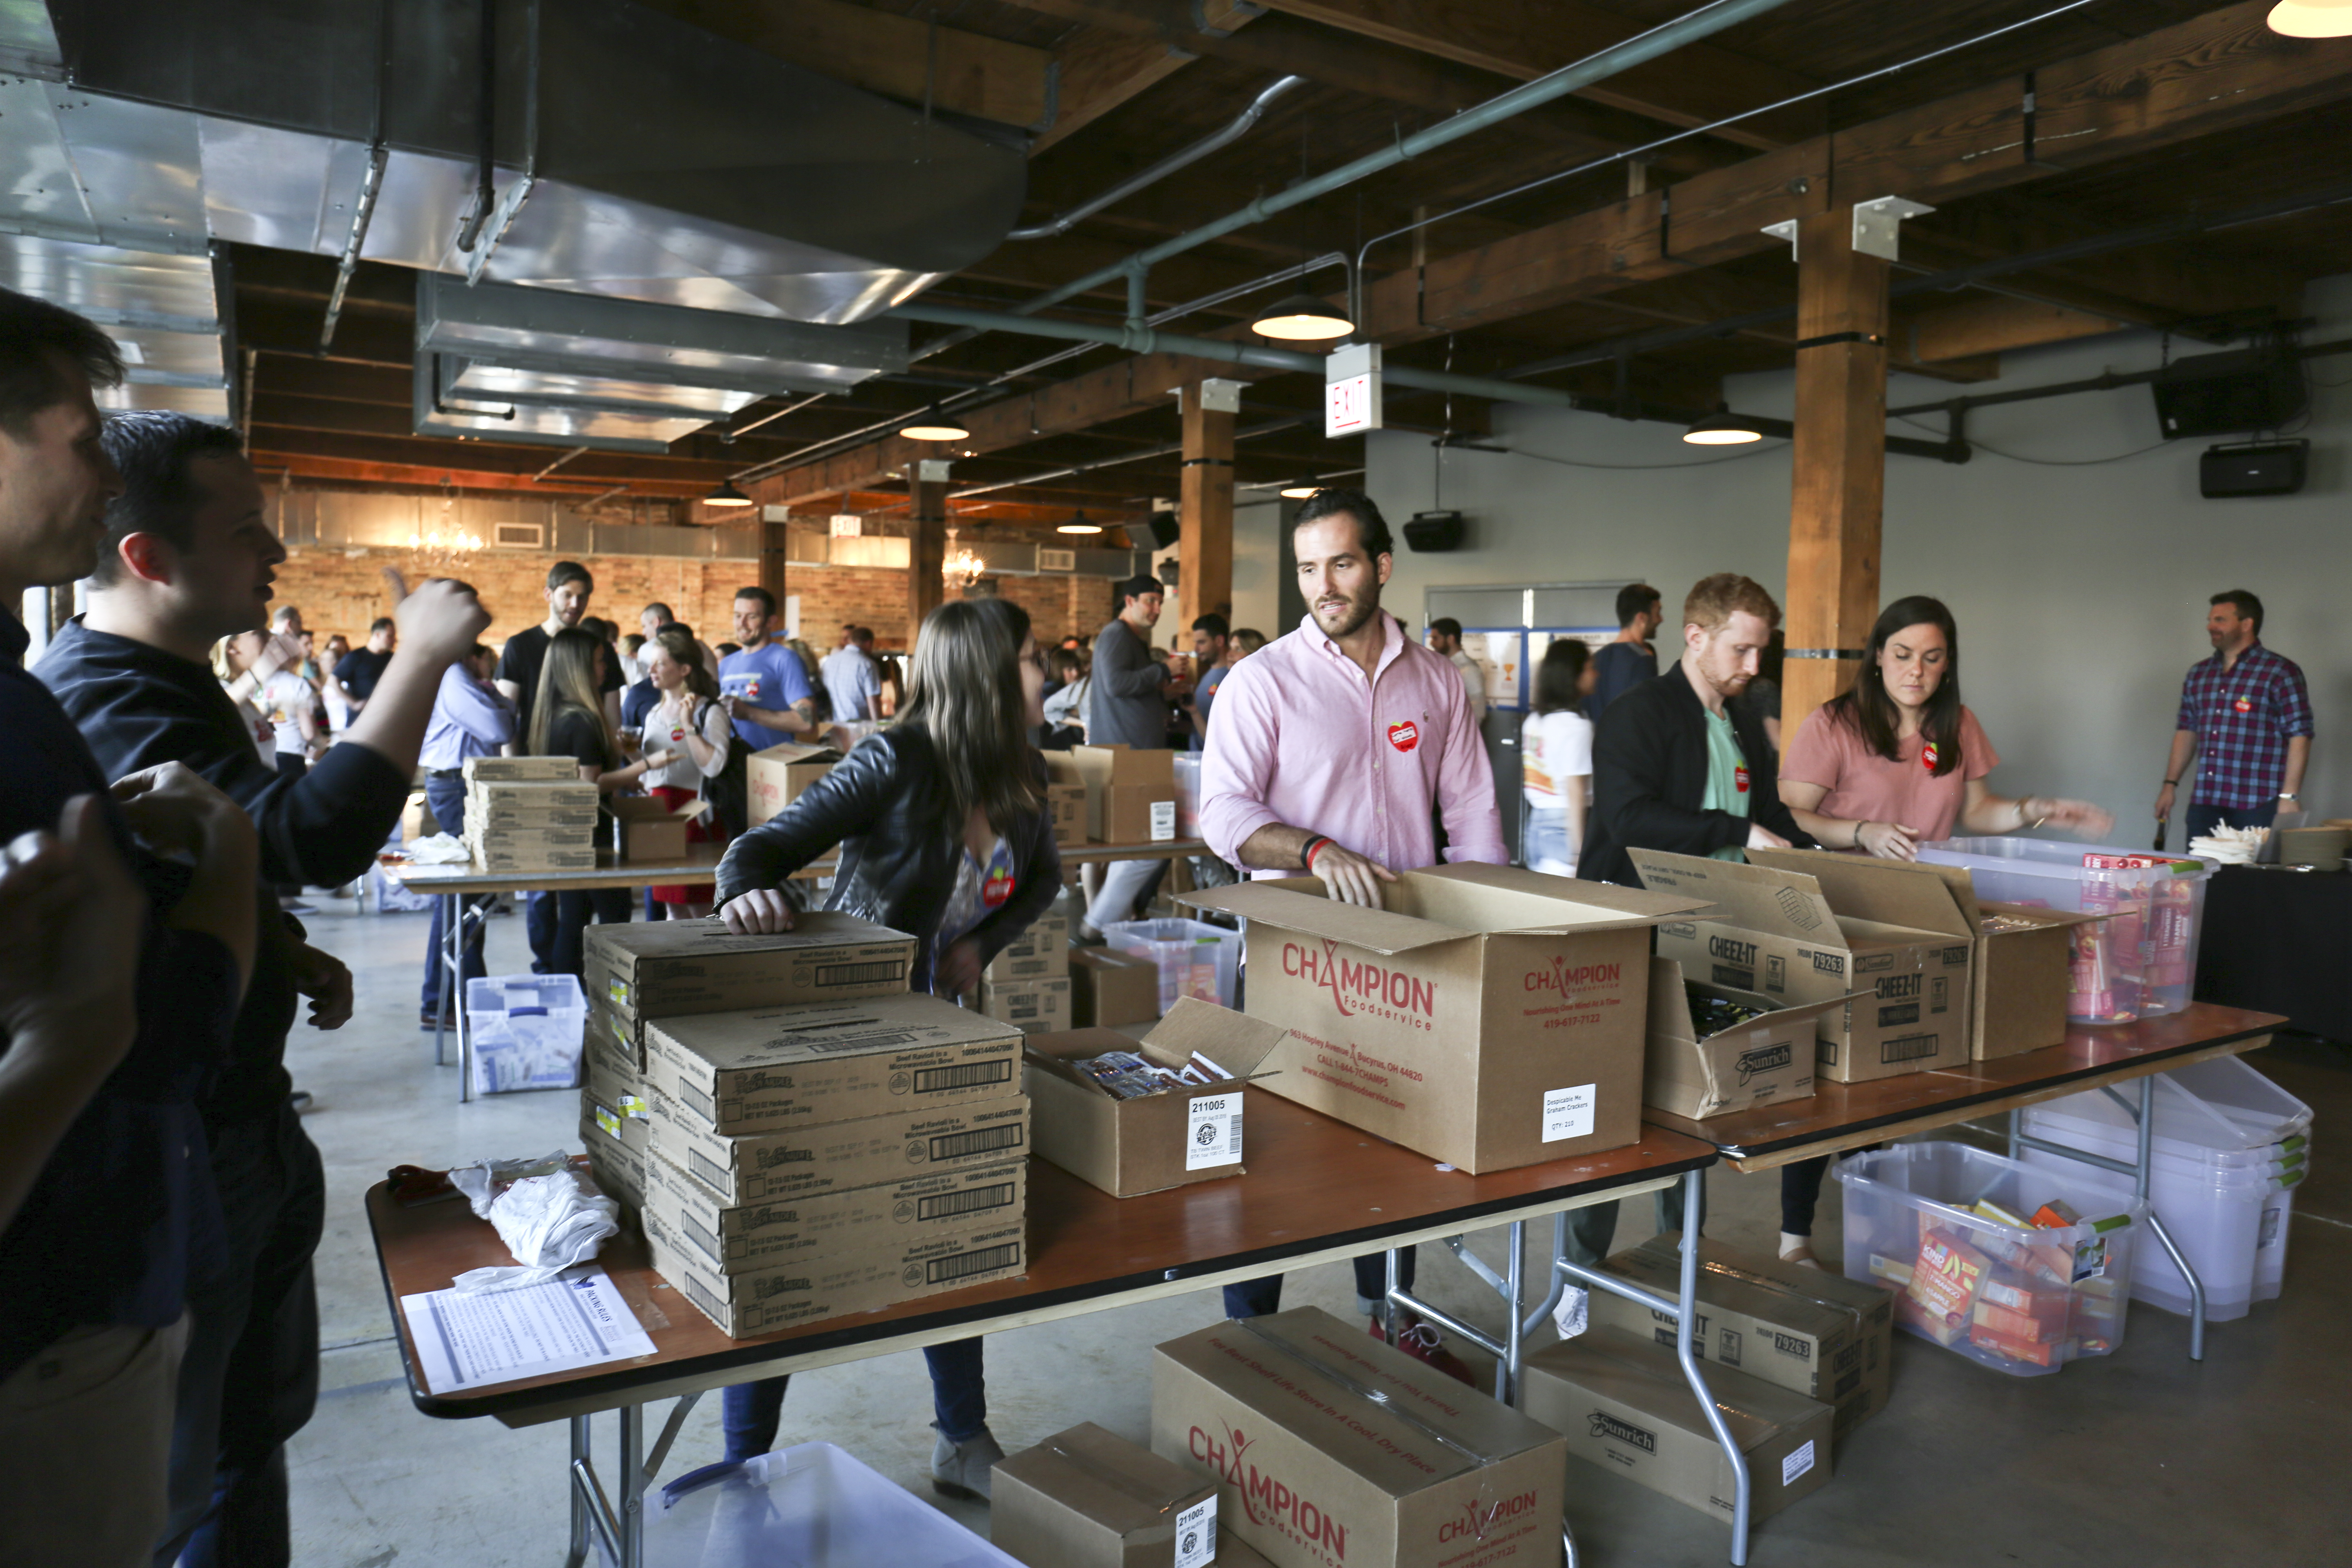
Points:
(1670, 1013)
(1891, 893)
(1756, 898)
(1067, 1069)
(1290, 904)
(646, 808)
(2042, 917)
(1582, 906)
(1235, 1041)
(792, 754)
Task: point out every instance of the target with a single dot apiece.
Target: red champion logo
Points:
(1740, 778)
(1927, 756)
(1403, 736)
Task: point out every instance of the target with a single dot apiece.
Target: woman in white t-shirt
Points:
(1555, 760)
(690, 724)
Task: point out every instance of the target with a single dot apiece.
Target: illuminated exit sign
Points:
(1351, 390)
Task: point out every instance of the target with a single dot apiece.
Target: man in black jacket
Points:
(188, 559)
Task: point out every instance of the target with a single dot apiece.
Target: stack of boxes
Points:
(1028, 983)
(529, 814)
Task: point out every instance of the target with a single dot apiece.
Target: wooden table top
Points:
(1846, 1115)
(1313, 1184)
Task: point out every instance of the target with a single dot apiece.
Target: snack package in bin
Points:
(2170, 923)
(1946, 1280)
(2103, 975)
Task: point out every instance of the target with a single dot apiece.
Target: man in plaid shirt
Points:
(2245, 721)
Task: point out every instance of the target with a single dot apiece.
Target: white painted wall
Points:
(2080, 591)
(1256, 559)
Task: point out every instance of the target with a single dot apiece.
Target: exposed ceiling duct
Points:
(160, 307)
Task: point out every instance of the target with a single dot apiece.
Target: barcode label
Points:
(946, 1205)
(710, 1169)
(704, 1300)
(1215, 1136)
(699, 1237)
(873, 973)
(964, 1264)
(1908, 1048)
(981, 1141)
(1196, 1534)
(699, 1101)
(936, 1080)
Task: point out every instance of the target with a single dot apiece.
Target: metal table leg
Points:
(619, 1533)
(443, 984)
(583, 1477)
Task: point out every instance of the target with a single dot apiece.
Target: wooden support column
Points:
(1839, 459)
(774, 549)
(927, 489)
(1205, 539)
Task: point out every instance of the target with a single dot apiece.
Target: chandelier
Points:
(444, 546)
(961, 568)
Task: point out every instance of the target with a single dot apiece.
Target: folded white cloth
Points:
(439, 850)
(549, 1219)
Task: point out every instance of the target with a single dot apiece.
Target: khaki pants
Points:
(87, 1429)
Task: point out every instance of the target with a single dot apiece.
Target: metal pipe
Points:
(1182, 157)
(1507, 1377)
(590, 1497)
(485, 112)
(1477, 1265)
(1076, 468)
(2155, 1222)
(2107, 383)
(1399, 1296)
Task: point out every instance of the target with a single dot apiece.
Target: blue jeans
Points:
(448, 799)
(1546, 847)
(2203, 819)
(556, 922)
(750, 1412)
(1260, 1297)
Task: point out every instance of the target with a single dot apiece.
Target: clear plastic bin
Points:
(526, 1031)
(2260, 1111)
(1188, 795)
(1195, 959)
(2020, 1300)
(2215, 1217)
(811, 1506)
(2140, 964)
(2270, 1245)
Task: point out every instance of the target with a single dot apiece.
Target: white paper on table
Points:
(466, 1340)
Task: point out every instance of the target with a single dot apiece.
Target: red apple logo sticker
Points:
(1404, 735)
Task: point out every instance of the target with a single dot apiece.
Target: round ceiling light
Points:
(2312, 18)
(1079, 524)
(1721, 429)
(726, 494)
(1299, 492)
(933, 425)
(1302, 319)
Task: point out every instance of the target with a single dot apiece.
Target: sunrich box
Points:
(1089, 1499)
(1624, 1405)
(765, 1068)
(1130, 794)
(776, 776)
(612, 1081)
(832, 1155)
(1040, 952)
(1767, 1061)
(520, 770)
(659, 969)
(1488, 1017)
(1821, 1336)
(1031, 1007)
(619, 1168)
(762, 1300)
(1329, 1447)
(1805, 926)
(1127, 1147)
(528, 804)
(1108, 988)
(735, 1238)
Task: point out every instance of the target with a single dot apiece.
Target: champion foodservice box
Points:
(647, 830)
(1821, 1336)
(1768, 1060)
(766, 1068)
(1089, 1499)
(1040, 952)
(1624, 1407)
(1127, 1147)
(1031, 1007)
(658, 969)
(776, 776)
(832, 1155)
(762, 1300)
(1329, 1447)
(1489, 1018)
(1067, 801)
(1108, 988)
(1130, 794)
(520, 770)
(733, 1237)
(1807, 926)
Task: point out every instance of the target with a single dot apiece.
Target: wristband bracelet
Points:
(1307, 854)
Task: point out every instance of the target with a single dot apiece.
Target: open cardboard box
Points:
(1806, 926)
(1129, 1147)
(1130, 794)
(1769, 1060)
(1489, 1018)
(1089, 1499)
(775, 775)
(1108, 988)
(646, 829)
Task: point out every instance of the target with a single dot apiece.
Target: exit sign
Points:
(1351, 390)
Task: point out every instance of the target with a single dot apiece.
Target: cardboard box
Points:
(776, 776)
(1311, 1470)
(1624, 1407)
(614, 1083)
(834, 1155)
(1040, 952)
(1489, 1018)
(647, 830)
(1089, 1499)
(771, 1067)
(492, 806)
(618, 1169)
(1130, 794)
(1807, 926)
(1067, 802)
(1031, 1007)
(521, 770)
(506, 859)
(1130, 1146)
(659, 969)
(734, 1237)
(1768, 1060)
(762, 1300)
(614, 1036)
(1821, 1336)
(2324, 845)
(2019, 978)
(1108, 988)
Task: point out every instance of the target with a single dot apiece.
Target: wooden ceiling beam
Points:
(1986, 324)
(272, 460)
(1099, 70)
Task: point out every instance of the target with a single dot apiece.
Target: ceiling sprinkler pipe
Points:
(1182, 157)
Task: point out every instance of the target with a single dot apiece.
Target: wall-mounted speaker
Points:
(2229, 394)
(1162, 527)
(2253, 468)
(1435, 532)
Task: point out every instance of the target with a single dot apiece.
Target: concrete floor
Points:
(2142, 1459)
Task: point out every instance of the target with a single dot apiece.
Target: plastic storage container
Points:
(1188, 795)
(1195, 959)
(2216, 1218)
(2018, 1298)
(526, 1031)
(2140, 964)
(809, 1506)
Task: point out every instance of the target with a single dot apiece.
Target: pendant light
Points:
(1721, 428)
(1302, 318)
(2312, 18)
(1299, 492)
(1079, 524)
(726, 494)
(931, 425)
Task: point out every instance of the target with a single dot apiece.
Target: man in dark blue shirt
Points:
(98, 1256)
(190, 560)
(1619, 666)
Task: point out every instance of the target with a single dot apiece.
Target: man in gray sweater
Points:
(1128, 706)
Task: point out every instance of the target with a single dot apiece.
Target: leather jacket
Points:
(886, 805)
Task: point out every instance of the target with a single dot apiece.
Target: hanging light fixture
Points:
(1079, 524)
(1302, 318)
(961, 567)
(933, 425)
(2312, 18)
(1722, 428)
(726, 494)
(1299, 492)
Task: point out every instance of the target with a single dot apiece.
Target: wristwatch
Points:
(2288, 794)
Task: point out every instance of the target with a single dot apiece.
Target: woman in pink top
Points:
(1894, 762)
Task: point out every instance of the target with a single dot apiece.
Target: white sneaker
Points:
(961, 1469)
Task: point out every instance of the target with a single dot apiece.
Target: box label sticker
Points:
(1213, 1134)
(618, 989)
(1568, 1113)
(1796, 1464)
(1163, 820)
(1196, 1534)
